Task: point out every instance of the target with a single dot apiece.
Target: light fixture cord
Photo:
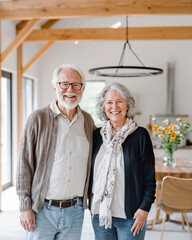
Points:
(130, 44)
(124, 47)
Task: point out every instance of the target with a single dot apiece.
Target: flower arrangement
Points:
(170, 135)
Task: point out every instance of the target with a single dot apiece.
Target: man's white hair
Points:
(71, 66)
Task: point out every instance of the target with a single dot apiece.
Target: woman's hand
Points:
(140, 218)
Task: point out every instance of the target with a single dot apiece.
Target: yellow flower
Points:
(158, 129)
(154, 134)
(171, 131)
(174, 127)
(170, 125)
(173, 136)
(171, 139)
(162, 136)
(154, 127)
(188, 123)
(181, 118)
(166, 130)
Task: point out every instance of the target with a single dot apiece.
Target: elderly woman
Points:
(122, 184)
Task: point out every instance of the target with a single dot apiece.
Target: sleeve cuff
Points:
(25, 204)
(145, 205)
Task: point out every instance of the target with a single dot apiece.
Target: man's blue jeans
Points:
(54, 223)
(120, 229)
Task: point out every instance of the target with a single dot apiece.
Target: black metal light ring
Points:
(154, 71)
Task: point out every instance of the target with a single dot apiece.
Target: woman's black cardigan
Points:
(139, 165)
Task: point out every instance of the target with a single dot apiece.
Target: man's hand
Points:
(140, 218)
(27, 220)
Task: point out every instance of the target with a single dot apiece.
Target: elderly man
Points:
(54, 162)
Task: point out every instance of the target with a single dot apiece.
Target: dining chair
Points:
(157, 199)
(157, 210)
(176, 197)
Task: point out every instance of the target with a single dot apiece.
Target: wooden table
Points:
(183, 169)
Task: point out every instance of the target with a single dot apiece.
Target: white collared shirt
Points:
(69, 168)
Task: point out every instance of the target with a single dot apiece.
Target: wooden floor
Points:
(10, 228)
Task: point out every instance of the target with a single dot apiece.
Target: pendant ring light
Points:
(126, 71)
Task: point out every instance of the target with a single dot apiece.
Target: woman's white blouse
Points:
(117, 206)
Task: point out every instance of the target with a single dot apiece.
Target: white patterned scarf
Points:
(106, 172)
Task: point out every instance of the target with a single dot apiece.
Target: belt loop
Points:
(49, 205)
(79, 200)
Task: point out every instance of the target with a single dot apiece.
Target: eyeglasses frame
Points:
(71, 85)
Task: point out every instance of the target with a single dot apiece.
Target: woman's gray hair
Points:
(71, 66)
(125, 94)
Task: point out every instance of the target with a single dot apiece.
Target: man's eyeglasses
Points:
(75, 86)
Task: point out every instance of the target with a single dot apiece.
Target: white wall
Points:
(150, 92)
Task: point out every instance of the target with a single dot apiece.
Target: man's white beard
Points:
(62, 102)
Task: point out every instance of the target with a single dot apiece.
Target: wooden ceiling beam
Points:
(48, 24)
(19, 39)
(109, 34)
(21, 25)
(54, 9)
(19, 94)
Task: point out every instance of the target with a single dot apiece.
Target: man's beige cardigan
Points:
(36, 157)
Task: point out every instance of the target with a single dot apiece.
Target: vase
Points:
(169, 158)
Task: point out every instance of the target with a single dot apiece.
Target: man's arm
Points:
(25, 172)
